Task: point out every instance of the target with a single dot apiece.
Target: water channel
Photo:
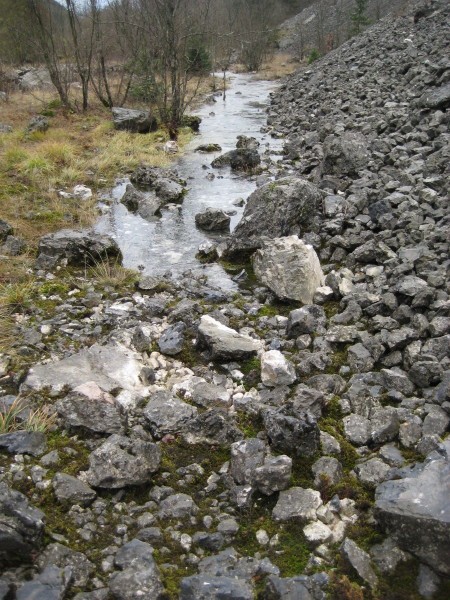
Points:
(170, 242)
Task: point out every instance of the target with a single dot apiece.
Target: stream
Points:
(170, 242)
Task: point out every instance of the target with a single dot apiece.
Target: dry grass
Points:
(7, 325)
(278, 66)
(109, 273)
(39, 419)
(76, 149)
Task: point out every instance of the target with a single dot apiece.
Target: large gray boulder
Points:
(145, 204)
(136, 121)
(111, 367)
(283, 207)
(21, 527)
(38, 124)
(122, 461)
(34, 78)
(415, 510)
(224, 343)
(345, 154)
(164, 182)
(89, 407)
(167, 414)
(212, 219)
(241, 159)
(76, 247)
(290, 268)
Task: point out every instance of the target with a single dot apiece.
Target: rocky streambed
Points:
(284, 440)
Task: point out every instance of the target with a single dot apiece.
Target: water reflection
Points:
(170, 242)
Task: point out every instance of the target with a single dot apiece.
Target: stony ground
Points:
(286, 442)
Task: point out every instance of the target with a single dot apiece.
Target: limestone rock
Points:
(224, 343)
(70, 490)
(286, 206)
(167, 414)
(122, 461)
(21, 527)
(297, 503)
(360, 561)
(416, 511)
(88, 406)
(76, 247)
(212, 219)
(290, 268)
(276, 370)
(136, 121)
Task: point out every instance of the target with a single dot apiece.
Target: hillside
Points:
(16, 27)
(326, 24)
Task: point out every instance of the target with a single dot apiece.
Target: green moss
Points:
(341, 588)
(172, 576)
(70, 464)
(411, 455)
(364, 532)
(190, 356)
(295, 549)
(250, 425)
(302, 474)
(331, 308)
(333, 409)
(249, 365)
(290, 554)
(402, 584)
(338, 359)
(51, 288)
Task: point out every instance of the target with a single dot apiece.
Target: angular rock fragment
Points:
(136, 121)
(276, 370)
(139, 575)
(21, 527)
(416, 512)
(224, 343)
(360, 561)
(297, 503)
(122, 461)
(212, 219)
(290, 268)
(69, 490)
(286, 206)
(89, 407)
(292, 431)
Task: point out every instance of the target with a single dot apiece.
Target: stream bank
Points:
(212, 444)
(169, 243)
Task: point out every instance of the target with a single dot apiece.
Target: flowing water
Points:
(170, 242)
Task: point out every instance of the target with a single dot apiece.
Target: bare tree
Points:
(82, 33)
(170, 29)
(321, 16)
(48, 40)
(116, 48)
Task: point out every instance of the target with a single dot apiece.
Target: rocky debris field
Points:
(289, 441)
